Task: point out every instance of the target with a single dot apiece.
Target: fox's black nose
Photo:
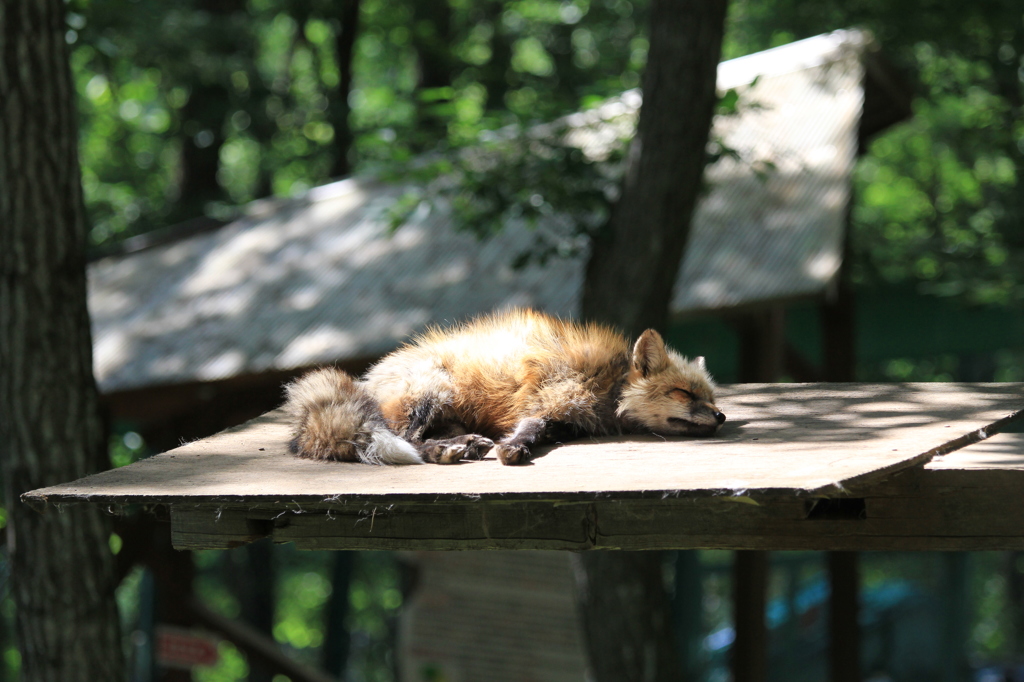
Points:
(719, 417)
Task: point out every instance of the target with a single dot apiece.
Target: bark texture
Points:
(633, 266)
(50, 429)
(634, 261)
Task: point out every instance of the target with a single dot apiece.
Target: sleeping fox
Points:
(501, 383)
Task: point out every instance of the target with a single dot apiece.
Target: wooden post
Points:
(750, 583)
(838, 323)
(336, 634)
(255, 587)
(173, 596)
(790, 631)
(839, 353)
(838, 335)
(844, 627)
(144, 658)
(762, 345)
(955, 626)
(687, 607)
(762, 350)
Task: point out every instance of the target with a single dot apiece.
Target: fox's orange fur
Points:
(503, 382)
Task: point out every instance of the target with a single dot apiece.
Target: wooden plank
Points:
(529, 525)
(1001, 451)
(848, 467)
(779, 437)
(217, 528)
(917, 510)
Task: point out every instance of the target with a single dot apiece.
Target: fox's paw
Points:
(476, 446)
(512, 454)
(451, 453)
(442, 451)
(452, 450)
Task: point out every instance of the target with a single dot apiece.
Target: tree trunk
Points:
(627, 616)
(630, 275)
(62, 569)
(688, 613)
(259, 604)
(337, 638)
(634, 261)
(749, 594)
(344, 52)
(201, 140)
(844, 619)
(432, 40)
(204, 115)
(494, 74)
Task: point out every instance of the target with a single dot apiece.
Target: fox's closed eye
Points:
(681, 394)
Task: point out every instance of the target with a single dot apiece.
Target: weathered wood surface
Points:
(796, 467)
(807, 437)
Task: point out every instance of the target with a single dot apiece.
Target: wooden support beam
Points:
(762, 345)
(838, 322)
(926, 509)
(687, 612)
(956, 618)
(253, 586)
(337, 637)
(844, 610)
(749, 588)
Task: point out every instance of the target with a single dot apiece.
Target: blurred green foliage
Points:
(125, 446)
(938, 196)
(163, 87)
(559, 179)
(938, 199)
(302, 590)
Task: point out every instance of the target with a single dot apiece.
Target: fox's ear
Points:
(699, 361)
(649, 356)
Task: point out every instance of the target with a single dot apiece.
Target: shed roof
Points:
(322, 278)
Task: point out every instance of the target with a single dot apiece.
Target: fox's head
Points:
(667, 393)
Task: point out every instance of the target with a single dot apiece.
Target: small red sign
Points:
(185, 649)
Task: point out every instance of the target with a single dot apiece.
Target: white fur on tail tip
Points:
(387, 448)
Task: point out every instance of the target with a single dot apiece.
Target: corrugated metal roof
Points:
(322, 278)
(778, 233)
(314, 281)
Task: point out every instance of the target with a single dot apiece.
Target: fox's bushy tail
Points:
(337, 419)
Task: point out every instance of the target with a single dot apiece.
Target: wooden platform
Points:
(796, 466)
